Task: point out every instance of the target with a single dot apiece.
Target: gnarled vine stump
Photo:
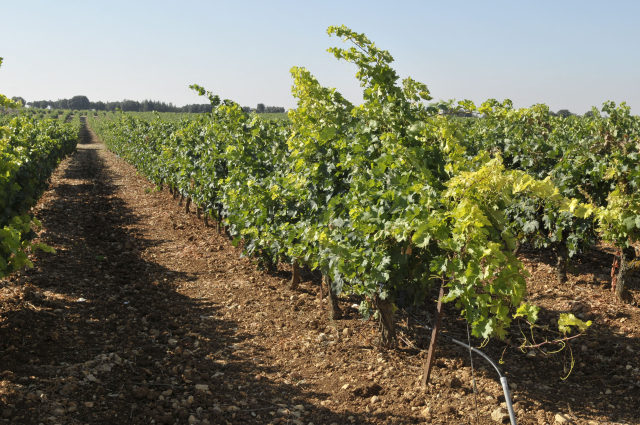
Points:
(388, 338)
(334, 308)
(628, 265)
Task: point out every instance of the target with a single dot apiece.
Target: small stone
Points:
(426, 412)
(374, 399)
(202, 387)
(72, 408)
(584, 348)
(54, 336)
(455, 383)
(88, 404)
(283, 412)
(346, 332)
(193, 420)
(500, 415)
(562, 419)
(172, 342)
(531, 354)
(59, 411)
(607, 392)
(345, 386)
(513, 385)
(322, 337)
(6, 413)
(446, 409)
(141, 392)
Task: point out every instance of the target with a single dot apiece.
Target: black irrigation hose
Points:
(503, 378)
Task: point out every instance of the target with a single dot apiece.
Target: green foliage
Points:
(30, 150)
(530, 312)
(567, 320)
(389, 197)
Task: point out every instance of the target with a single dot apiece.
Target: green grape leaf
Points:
(567, 320)
(529, 311)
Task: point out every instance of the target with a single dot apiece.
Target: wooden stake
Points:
(434, 341)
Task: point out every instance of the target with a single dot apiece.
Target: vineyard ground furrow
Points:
(146, 314)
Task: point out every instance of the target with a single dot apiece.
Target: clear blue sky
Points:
(567, 54)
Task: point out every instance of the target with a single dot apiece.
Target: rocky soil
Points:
(145, 315)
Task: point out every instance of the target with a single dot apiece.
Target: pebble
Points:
(59, 411)
(88, 403)
(193, 420)
(455, 383)
(201, 387)
(72, 408)
(500, 415)
(6, 413)
(426, 413)
(374, 399)
(561, 419)
(346, 332)
(172, 342)
(322, 337)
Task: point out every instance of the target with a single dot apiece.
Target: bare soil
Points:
(145, 315)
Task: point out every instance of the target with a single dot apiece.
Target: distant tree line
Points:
(83, 103)
(262, 109)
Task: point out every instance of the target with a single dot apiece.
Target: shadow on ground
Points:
(98, 334)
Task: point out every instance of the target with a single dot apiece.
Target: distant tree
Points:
(79, 102)
(196, 108)
(111, 106)
(98, 106)
(274, 109)
(553, 114)
(260, 108)
(130, 105)
(564, 113)
(40, 104)
(19, 99)
(247, 109)
(588, 114)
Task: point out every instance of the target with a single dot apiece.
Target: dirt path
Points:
(145, 315)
